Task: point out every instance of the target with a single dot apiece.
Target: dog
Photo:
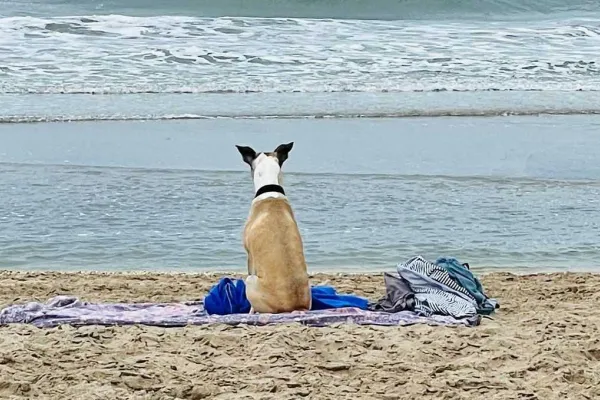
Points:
(277, 279)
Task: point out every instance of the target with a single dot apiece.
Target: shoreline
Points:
(478, 271)
(541, 343)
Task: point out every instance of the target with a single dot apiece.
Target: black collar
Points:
(270, 188)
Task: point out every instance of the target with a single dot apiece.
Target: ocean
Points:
(440, 128)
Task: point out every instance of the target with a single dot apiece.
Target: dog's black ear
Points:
(248, 154)
(282, 152)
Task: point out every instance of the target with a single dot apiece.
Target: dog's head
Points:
(269, 163)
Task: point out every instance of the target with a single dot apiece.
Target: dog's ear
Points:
(282, 152)
(248, 154)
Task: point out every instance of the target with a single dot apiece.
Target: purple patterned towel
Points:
(70, 310)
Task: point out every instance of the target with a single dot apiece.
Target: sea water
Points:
(420, 127)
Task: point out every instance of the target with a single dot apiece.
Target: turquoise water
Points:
(421, 127)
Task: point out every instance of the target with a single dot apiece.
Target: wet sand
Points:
(543, 344)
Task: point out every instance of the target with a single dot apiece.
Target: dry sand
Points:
(543, 344)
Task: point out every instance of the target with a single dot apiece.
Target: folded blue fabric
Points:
(325, 297)
(228, 296)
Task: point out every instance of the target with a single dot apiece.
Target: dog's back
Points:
(277, 278)
(276, 258)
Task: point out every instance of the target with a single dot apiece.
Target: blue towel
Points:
(325, 297)
(229, 297)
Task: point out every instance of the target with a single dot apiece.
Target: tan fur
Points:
(276, 258)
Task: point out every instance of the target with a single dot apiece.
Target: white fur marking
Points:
(269, 195)
(266, 172)
(251, 285)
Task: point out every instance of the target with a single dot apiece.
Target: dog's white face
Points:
(265, 167)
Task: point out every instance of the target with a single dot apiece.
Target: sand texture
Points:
(543, 344)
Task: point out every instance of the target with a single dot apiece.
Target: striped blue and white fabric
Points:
(435, 291)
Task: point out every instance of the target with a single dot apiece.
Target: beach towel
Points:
(325, 298)
(228, 296)
(70, 310)
(435, 292)
(462, 275)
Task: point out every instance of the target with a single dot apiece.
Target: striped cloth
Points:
(435, 291)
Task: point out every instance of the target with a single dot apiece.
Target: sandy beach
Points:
(543, 344)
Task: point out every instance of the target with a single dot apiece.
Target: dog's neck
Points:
(267, 173)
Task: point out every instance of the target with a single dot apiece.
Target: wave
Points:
(90, 169)
(20, 119)
(335, 9)
(118, 54)
(159, 106)
(111, 91)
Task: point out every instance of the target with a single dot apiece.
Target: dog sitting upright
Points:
(277, 279)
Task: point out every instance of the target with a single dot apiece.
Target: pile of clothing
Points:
(445, 287)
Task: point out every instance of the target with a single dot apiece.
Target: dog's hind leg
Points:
(254, 295)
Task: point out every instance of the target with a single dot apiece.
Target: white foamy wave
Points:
(24, 119)
(367, 85)
(120, 54)
(19, 108)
